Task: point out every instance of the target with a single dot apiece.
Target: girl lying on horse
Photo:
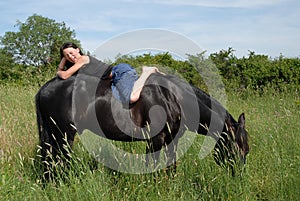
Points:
(126, 85)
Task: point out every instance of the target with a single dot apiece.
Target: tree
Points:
(38, 41)
(6, 65)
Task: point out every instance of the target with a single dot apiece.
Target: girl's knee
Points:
(134, 97)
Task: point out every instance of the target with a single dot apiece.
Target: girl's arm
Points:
(68, 73)
(62, 64)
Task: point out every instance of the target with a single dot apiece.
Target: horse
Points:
(166, 109)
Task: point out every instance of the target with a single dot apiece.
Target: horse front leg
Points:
(171, 153)
(154, 147)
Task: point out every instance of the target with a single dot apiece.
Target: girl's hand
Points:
(62, 64)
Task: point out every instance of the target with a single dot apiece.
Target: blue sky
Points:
(270, 27)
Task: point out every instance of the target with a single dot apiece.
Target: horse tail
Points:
(39, 115)
(41, 126)
(43, 129)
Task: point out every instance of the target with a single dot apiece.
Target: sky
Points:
(269, 27)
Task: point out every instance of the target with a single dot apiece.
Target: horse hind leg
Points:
(55, 149)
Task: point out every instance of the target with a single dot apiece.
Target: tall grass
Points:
(271, 173)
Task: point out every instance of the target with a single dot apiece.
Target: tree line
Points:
(30, 56)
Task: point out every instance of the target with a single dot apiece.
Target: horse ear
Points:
(241, 120)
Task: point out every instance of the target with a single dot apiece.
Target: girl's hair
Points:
(68, 45)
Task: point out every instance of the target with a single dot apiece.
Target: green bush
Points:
(254, 72)
(18, 74)
(167, 64)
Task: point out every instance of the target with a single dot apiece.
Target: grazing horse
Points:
(167, 108)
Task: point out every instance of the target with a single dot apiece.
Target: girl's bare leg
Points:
(139, 84)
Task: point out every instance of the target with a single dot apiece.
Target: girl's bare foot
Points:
(149, 69)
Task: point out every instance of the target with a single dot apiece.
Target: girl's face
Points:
(71, 54)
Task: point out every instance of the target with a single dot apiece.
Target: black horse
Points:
(167, 108)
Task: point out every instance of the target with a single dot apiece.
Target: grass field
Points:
(272, 171)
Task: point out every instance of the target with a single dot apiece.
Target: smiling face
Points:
(72, 54)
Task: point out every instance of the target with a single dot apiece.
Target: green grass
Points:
(272, 171)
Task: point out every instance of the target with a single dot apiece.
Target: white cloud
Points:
(147, 39)
(268, 26)
(214, 3)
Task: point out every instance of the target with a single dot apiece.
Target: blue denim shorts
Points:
(123, 78)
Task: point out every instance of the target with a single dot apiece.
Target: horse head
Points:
(232, 147)
(241, 138)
